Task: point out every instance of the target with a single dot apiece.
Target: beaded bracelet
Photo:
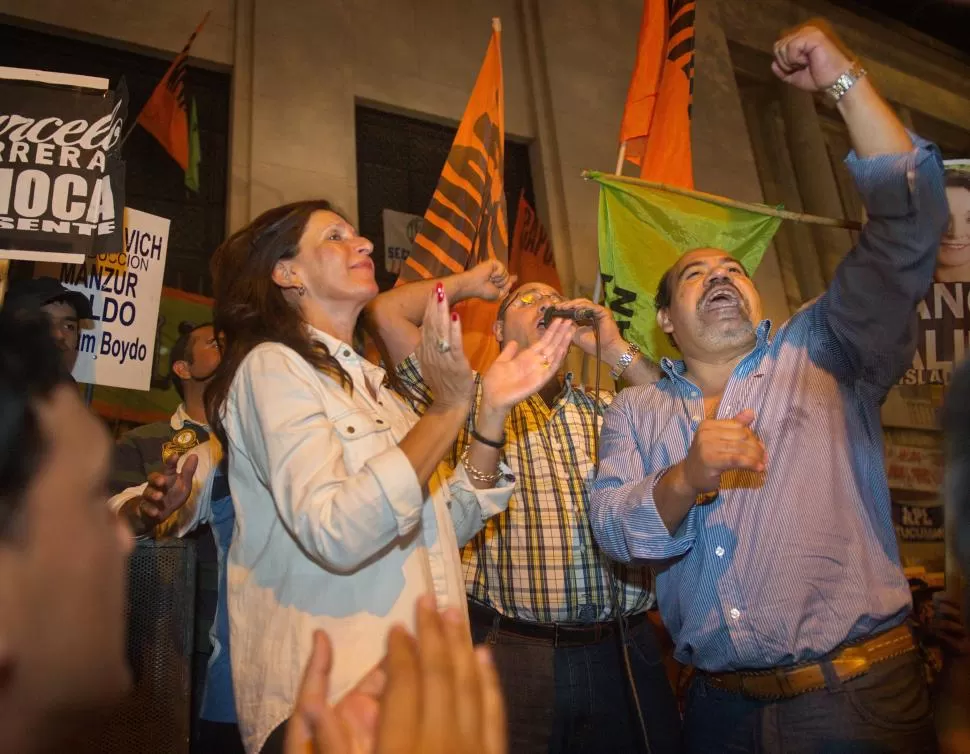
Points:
(477, 474)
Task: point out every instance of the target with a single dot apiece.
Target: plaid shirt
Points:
(538, 561)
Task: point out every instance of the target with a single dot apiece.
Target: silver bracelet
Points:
(845, 82)
(624, 361)
(477, 474)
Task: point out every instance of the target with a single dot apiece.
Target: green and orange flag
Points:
(166, 115)
(643, 231)
(467, 222)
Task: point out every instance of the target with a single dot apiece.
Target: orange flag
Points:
(667, 155)
(641, 97)
(530, 255)
(656, 120)
(165, 115)
(467, 221)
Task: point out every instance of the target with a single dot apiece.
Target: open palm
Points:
(516, 374)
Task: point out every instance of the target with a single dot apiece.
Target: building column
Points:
(817, 183)
(241, 124)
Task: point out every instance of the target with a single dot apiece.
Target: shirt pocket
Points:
(363, 435)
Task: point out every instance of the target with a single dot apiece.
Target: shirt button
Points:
(727, 409)
(346, 354)
(695, 419)
(735, 613)
(719, 551)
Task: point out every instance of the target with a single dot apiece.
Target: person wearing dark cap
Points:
(64, 308)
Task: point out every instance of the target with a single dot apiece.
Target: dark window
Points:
(399, 160)
(154, 181)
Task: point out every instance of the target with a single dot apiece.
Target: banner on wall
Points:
(116, 347)
(62, 188)
(919, 522)
(915, 469)
(400, 230)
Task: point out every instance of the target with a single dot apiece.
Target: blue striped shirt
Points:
(783, 567)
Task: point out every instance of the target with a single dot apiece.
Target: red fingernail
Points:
(454, 316)
(440, 290)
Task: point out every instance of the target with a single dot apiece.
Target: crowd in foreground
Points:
(374, 524)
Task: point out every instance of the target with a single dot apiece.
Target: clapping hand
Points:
(436, 695)
(441, 354)
(721, 445)
(516, 374)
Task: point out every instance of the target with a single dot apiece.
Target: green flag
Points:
(642, 233)
(195, 152)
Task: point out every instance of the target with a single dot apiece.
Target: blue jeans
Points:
(576, 700)
(886, 711)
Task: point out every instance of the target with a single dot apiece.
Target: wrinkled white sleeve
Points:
(340, 519)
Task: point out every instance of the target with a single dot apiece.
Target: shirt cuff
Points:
(658, 542)
(492, 500)
(116, 502)
(395, 475)
(887, 183)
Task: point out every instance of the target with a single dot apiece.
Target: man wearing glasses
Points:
(540, 591)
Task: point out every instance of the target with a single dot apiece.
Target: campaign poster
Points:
(178, 310)
(115, 347)
(400, 230)
(944, 324)
(62, 187)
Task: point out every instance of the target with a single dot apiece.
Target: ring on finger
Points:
(443, 345)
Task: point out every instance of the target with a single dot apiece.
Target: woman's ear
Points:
(284, 276)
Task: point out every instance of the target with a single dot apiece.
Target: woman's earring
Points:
(301, 291)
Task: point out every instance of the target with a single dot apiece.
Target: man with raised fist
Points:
(753, 470)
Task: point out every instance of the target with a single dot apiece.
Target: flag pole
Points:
(598, 285)
(723, 201)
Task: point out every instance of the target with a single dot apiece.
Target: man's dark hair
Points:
(30, 368)
(182, 351)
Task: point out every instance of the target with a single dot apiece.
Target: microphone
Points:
(581, 317)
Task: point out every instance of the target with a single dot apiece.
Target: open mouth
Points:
(722, 297)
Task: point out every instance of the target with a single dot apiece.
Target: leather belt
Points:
(847, 662)
(557, 634)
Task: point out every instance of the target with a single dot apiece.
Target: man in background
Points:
(63, 308)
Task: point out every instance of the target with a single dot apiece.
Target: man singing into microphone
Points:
(539, 588)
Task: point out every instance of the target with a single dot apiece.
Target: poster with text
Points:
(943, 317)
(62, 185)
(400, 230)
(115, 348)
(177, 309)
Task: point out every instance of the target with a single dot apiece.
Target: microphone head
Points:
(581, 317)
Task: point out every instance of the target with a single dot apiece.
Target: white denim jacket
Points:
(333, 530)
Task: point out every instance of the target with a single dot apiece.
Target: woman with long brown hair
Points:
(343, 515)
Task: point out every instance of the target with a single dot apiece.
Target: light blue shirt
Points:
(783, 567)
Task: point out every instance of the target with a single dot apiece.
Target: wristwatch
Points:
(845, 82)
(624, 361)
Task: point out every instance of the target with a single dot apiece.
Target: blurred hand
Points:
(811, 57)
(448, 373)
(489, 280)
(515, 375)
(168, 489)
(947, 625)
(439, 696)
(721, 445)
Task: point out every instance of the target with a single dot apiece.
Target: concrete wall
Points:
(300, 65)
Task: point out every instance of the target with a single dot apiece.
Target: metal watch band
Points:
(624, 361)
(846, 81)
